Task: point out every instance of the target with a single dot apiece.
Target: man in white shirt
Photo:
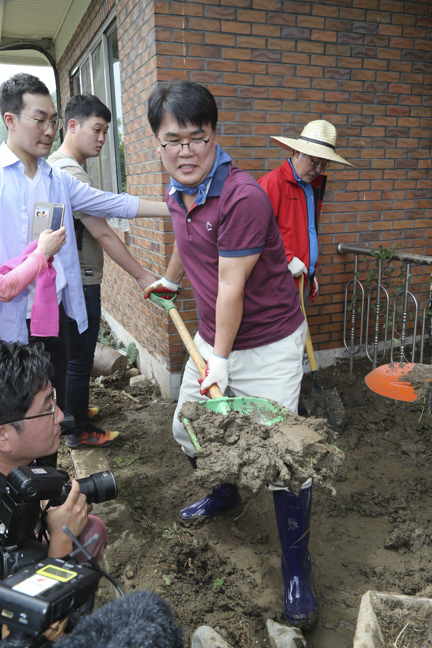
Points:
(32, 121)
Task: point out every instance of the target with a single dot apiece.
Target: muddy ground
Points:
(375, 533)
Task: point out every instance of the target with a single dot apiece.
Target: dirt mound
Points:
(374, 534)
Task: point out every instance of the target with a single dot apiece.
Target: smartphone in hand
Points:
(46, 216)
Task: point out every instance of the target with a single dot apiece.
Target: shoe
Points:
(222, 499)
(301, 409)
(93, 411)
(92, 437)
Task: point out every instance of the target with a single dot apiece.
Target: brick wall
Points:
(365, 65)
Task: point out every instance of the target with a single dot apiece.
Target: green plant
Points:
(129, 460)
(132, 352)
(170, 533)
(392, 279)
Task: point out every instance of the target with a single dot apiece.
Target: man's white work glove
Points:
(314, 290)
(216, 372)
(162, 287)
(297, 267)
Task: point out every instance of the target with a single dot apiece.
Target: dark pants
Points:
(82, 348)
(58, 348)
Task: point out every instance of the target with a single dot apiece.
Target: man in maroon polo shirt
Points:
(229, 245)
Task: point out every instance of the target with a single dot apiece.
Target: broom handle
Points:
(308, 345)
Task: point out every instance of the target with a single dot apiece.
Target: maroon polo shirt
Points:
(237, 219)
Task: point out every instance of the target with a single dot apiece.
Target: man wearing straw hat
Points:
(296, 191)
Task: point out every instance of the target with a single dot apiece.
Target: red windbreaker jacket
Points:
(289, 205)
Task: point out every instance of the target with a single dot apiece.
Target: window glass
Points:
(99, 73)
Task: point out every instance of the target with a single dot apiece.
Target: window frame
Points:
(111, 151)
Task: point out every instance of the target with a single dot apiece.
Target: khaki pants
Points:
(273, 371)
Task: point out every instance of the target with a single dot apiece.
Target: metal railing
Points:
(370, 307)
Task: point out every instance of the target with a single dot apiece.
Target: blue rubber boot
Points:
(223, 498)
(293, 517)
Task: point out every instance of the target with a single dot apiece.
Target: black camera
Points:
(35, 590)
(40, 594)
(25, 487)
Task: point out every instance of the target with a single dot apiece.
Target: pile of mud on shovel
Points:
(252, 442)
(248, 447)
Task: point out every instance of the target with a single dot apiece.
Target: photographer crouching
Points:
(39, 592)
(30, 428)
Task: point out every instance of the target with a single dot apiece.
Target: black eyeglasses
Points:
(174, 148)
(52, 411)
(319, 164)
(43, 124)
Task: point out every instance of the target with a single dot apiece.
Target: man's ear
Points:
(5, 445)
(158, 146)
(72, 125)
(9, 120)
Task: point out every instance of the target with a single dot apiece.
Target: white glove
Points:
(216, 372)
(161, 286)
(297, 267)
(314, 290)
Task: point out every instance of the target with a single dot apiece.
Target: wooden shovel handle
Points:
(308, 345)
(192, 348)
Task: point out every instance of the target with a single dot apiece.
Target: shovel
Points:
(260, 410)
(387, 380)
(323, 403)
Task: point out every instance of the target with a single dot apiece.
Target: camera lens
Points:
(99, 487)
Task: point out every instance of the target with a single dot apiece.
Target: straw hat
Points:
(318, 138)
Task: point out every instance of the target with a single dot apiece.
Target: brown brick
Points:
(253, 91)
(375, 64)
(284, 70)
(223, 66)
(252, 67)
(268, 105)
(205, 51)
(251, 16)
(295, 33)
(281, 45)
(235, 27)
(236, 79)
(267, 55)
(243, 54)
(338, 25)
(310, 95)
(283, 93)
(251, 41)
(309, 71)
(298, 59)
(350, 38)
(323, 60)
(224, 13)
(271, 31)
(227, 40)
(312, 48)
(337, 50)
